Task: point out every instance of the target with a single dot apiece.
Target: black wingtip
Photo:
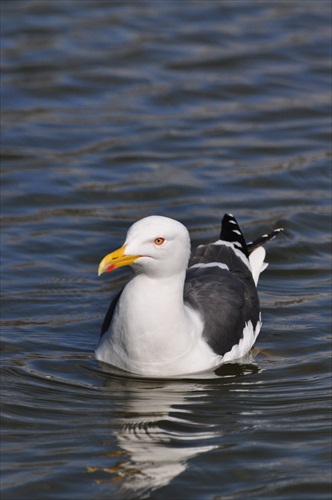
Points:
(230, 231)
(262, 240)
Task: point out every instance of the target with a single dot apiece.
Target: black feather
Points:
(108, 317)
(262, 240)
(230, 231)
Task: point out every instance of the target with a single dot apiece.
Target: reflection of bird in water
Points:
(160, 427)
(156, 434)
(170, 320)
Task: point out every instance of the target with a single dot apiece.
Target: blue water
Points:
(115, 111)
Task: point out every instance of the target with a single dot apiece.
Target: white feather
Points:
(256, 259)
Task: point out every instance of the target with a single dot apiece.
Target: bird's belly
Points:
(167, 353)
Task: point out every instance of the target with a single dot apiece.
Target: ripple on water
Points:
(200, 110)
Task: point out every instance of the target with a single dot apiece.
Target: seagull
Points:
(178, 314)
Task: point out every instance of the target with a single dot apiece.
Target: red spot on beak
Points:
(110, 268)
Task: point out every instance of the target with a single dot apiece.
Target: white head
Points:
(156, 245)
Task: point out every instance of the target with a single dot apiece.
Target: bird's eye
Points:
(159, 241)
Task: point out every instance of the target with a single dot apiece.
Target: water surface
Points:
(115, 111)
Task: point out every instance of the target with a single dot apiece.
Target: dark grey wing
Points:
(109, 315)
(226, 303)
(220, 286)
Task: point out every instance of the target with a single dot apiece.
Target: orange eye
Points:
(159, 241)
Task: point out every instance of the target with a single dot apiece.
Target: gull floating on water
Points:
(173, 318)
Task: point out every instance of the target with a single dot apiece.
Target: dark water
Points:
(114, 111)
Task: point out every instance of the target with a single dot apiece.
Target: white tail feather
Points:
(256, 259)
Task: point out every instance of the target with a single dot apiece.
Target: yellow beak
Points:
(116, 259)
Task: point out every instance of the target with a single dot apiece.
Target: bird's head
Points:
(157, 246)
